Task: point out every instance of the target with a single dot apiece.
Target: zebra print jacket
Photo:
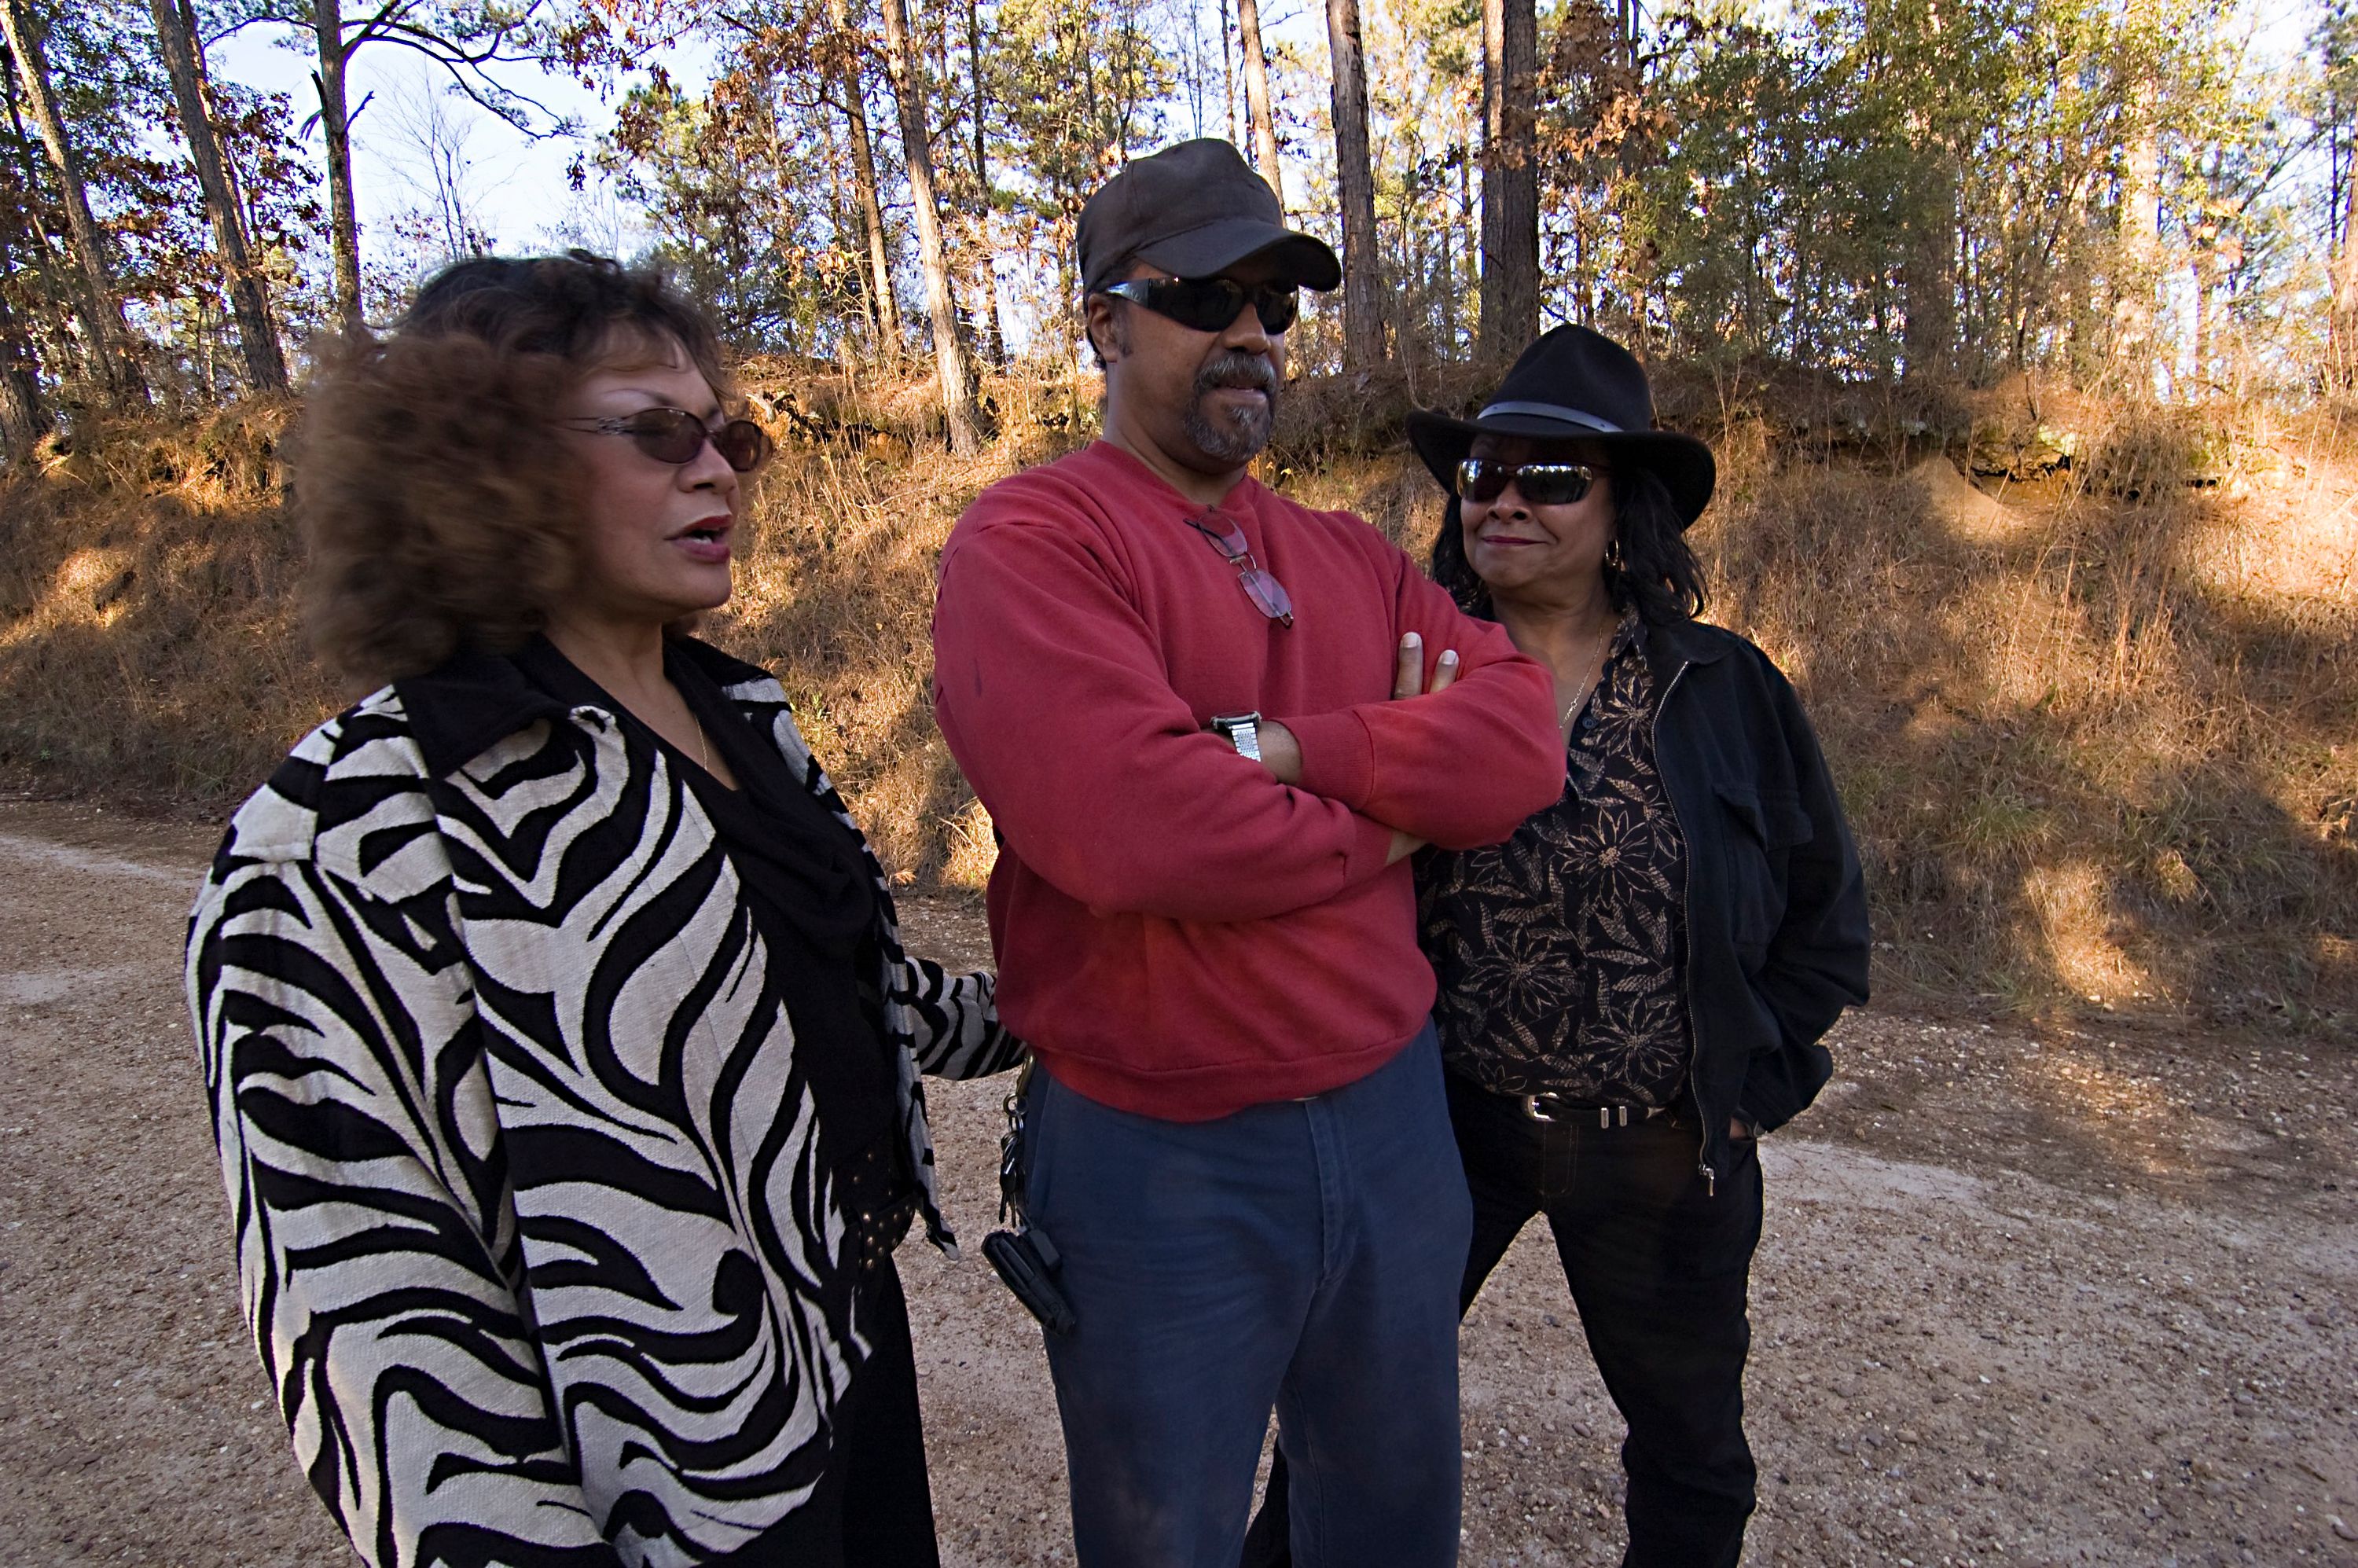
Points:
(534, 1237)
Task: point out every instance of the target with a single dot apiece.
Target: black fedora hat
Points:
(1579, 385)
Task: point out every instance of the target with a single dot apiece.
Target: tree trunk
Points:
(2218, 250)
(985, 284)
(2140, 254)
(863, 179)
(336, 126)
(986, 281)
(1258, 103)
(1510, 178)
(843, 216)
(2205, 265)
(258, 342)
(2343, 322)
(23, 419)
(56, 294)
(1927, 276)
(1363, 326)
(108, 328)
(1229, 76)
(949, 357)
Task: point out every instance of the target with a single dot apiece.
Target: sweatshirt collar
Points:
(1237, 499)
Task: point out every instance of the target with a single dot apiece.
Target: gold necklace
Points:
(1588, 685)
(703, 757)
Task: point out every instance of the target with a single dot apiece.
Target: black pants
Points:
(1659, 1271)
(875, 1508)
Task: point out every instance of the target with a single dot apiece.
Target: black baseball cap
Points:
(1194, 209)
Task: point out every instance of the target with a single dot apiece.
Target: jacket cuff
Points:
(1338, 756)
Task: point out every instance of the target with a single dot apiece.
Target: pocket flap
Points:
(1774, 816)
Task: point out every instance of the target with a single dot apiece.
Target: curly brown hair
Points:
(437, 512)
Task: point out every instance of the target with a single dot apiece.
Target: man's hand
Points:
(1408, 680)
(1740, 1129)
(1408, 672)
(1281, 753)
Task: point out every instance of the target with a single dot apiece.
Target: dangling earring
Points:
(1612, 557)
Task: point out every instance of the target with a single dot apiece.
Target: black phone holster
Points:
(1024, 1257)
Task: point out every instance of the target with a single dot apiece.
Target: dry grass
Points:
(2097, 724)
(148, 642)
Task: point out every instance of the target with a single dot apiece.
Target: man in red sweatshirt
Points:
(1172, 689)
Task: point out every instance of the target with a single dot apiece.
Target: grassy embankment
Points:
(2097, 718)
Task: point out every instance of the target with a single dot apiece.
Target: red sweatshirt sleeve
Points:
(1051, 693)
(1459, 768)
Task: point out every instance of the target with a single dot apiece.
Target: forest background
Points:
(2025, 330)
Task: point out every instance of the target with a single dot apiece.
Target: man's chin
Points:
(1236, 440)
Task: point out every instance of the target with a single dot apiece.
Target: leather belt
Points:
(1550, 1109)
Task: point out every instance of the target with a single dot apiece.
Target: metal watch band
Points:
(1243, 730)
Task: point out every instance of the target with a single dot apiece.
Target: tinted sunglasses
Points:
(1209, 304)
(1268, 595)
(675, 436)
(1541, 484)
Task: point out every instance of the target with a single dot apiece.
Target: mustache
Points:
(1236, 368)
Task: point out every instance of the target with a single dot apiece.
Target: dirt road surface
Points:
(2025, 1298)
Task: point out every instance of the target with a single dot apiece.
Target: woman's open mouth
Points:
(706, 542)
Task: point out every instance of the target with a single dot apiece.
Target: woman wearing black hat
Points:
(1633, 986)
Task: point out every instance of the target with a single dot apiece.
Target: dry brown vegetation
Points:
(2095, 708)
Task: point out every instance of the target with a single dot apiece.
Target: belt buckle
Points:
(1607, 1115)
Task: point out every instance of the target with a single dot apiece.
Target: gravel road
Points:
(2026, 1296)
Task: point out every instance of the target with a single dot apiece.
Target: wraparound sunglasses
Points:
(1541, 484)
(675, 436)
(1209, 304)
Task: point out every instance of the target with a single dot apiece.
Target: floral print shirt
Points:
(1559, 951)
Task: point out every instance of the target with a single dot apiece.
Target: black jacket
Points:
(1776, 909)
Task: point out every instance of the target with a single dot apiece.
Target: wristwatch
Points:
(1241, 730)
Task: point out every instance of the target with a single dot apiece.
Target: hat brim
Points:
(1206, 251)
(1684, 464)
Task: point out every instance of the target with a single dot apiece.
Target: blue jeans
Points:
(1659, 1267)
(1303, 1255)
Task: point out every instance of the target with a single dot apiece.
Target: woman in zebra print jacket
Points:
(562, 1052)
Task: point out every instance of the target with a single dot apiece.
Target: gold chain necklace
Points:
(1588, 687)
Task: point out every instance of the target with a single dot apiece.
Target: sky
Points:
(523, 179)
(520, 180)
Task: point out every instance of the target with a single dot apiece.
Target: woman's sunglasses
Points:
(675, 436)
(1209, 304)
(1541, 484)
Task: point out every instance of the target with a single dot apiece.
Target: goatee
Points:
(1237, 435)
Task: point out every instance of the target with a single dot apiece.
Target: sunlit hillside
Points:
(2095, 707)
